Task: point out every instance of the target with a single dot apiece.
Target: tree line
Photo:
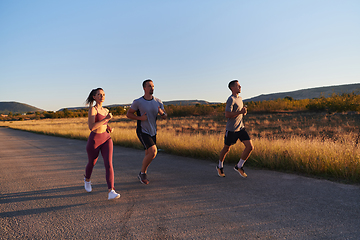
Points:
(335, 103)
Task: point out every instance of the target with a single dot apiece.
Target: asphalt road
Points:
(42, 197)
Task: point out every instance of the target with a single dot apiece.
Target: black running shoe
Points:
(143, 179)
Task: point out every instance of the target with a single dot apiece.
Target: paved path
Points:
(42, 197)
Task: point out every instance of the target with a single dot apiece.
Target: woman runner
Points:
(99, 140)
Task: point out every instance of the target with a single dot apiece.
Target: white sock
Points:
(241, 163)
(221, 164)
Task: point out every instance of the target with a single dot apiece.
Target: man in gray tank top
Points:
(147, 108)
(235, 129)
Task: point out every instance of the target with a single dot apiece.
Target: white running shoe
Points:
(88, 187)
(113, 195)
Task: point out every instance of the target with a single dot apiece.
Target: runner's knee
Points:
(152, 151)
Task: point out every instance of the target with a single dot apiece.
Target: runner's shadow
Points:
(40, 195)
(36, 210)
(56, 193)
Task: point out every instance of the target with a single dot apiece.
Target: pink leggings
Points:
(100, 142)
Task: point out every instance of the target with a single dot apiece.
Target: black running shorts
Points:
(232, 137)
(146, 140)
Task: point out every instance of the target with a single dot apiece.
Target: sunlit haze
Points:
(52, 53)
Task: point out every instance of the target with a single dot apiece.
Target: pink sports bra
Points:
(100, 117)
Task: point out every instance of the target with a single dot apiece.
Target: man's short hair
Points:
(146, 81)
(232, 83)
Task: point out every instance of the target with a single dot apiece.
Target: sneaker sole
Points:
(240, 173)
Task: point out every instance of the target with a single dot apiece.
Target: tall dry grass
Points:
(325, 158)
(299, 142)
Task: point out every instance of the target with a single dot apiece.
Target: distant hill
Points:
(16, 107)
(188, 102)
(309, 93)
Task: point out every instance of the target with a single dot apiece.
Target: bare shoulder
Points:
(92, 111)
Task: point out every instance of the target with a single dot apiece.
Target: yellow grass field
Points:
(319, 145)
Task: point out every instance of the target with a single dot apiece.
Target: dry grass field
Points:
(315, 144)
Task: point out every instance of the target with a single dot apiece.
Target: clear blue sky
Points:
(52, 53)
